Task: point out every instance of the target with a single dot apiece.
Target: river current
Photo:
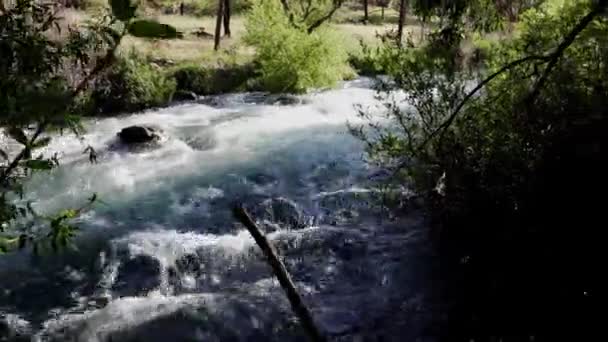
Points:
(160, 257)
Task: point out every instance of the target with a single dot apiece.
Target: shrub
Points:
(290, 59)
(203, 80)
(367, 61)
(131, 85)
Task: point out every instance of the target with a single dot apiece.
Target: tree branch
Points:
(99, 67)
(320, 21)
(559, 51)
(551, 58)
(288, 11)
(471, 93)
(282, 275)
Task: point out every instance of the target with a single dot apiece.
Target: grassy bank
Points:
(168, 70)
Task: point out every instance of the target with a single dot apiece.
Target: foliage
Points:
(131, 84)
(289, 58)
(510, 171)
(152, 29)
(42, 83)
(204, 80)
(367, 61)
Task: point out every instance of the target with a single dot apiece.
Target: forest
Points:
(302, 170)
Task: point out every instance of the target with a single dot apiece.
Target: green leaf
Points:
(123, 10)
(68, 214)
(38, 164)
(18, 134)
(152, 29)
(42, 142)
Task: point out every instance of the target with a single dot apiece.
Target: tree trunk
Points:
(218, 24)
(365, 11)
(227, 18)
(181, 8)
(382, 13)
(402, 15)
(422, 22)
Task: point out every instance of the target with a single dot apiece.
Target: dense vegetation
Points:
(290, 57)
(512, 169)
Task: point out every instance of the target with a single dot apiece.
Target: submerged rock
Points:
(139, 134)
(184, 95)
(138, 276)
(205, 141)
(281, 211)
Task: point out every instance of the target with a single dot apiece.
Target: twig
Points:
(282, 275)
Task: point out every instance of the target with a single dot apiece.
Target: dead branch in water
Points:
(281, 273)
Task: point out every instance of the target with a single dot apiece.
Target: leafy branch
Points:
(123, 13)
(551, 59)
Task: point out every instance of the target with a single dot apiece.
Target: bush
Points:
(368, 61)
(210, 81)
(132, 85)
(290, 59)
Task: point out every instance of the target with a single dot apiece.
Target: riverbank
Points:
(155, 73)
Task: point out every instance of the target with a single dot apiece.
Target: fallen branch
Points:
(282, 275)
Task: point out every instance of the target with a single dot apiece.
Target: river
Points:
(160, 258)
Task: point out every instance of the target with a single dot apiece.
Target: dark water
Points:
(163, 260)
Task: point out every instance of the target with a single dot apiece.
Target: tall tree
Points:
(218, 24)
(402, 15)
(365, 11)
(227, 18)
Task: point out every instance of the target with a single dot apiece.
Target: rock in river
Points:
(139, 134)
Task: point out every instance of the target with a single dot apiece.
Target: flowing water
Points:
(162, 259)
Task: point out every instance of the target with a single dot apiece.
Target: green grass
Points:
(195, 50)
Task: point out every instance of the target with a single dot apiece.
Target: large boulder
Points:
(138, 134)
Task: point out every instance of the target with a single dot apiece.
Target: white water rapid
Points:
(162, 259)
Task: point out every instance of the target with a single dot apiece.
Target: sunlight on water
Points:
(162, 258)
